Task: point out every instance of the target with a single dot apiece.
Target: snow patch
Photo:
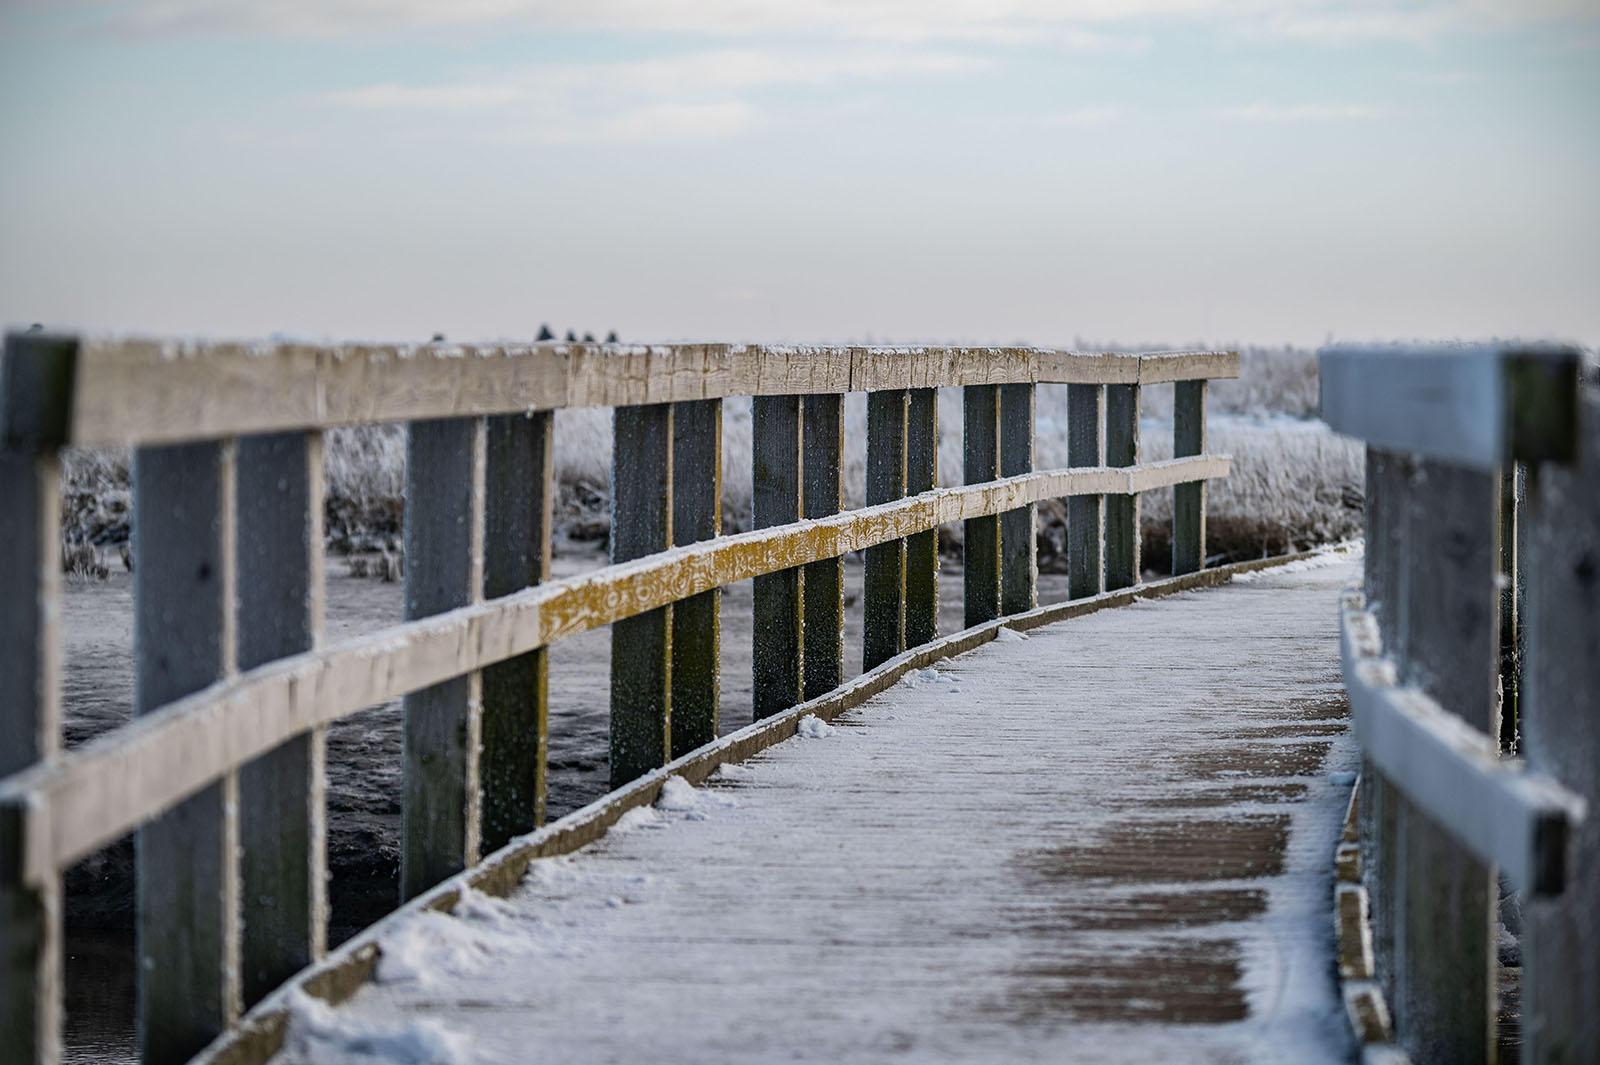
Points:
(428, 948)
(1334, 555)
(677, 795)
(318, 1032)
(1006, 635)
(813, 727)
(636, 818)
(732, 771)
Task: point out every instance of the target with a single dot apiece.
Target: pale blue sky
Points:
(804, 170)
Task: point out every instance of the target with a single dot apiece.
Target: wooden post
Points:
(35, 397)
(823, 581)
(1188, 500)
(1019, 568)
(696, 621)
(518, 494)
(282, 795)
(1510, 595)
(1561, 737)
(1086, 412)
(1122, 562)
(187, 890)
(641, 646)
(922, 549)
(1444, 1005)
(443, 725)
(883, 580)
(980, 462)
(777, 597)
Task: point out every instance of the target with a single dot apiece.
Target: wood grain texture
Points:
(1086, 414)
(186, 873)
(1189, 500)
(980, 463)
(519, 492)
(922, 549)
(883, 580)
(30, 730)
(777, 609)
(444, 526)
(283, 867)
(1561, 737)
(1019, 568)
(137, 391)
(821, 493)
(104, 788)
(641, 644)
(1122, 547)
(696, 621)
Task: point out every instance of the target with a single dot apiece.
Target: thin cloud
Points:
(1086, 116)
(1261, 112)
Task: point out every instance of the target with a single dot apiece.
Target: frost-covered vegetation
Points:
(1294, 483)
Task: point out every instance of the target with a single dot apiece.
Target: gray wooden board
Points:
(775, 481)
(883, 591)
(1188, 500)
(922, 549)
(822, 474)
(980, 537)
(696, 628)
(1122, 562)
(1086, 415)
(1019, 570)
(1008, 859)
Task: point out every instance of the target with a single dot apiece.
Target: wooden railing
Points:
(1483, 534)
(221, 774)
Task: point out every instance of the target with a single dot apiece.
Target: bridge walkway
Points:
(1109, 840)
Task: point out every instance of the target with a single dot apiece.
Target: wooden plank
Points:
(1444, 998)
(283, 868)
(641, 646)
(980, 552)
(1160, 367)
(1189, 500)
(696, 621)
(99, 791)
(1086, 413)
(30, 730)
(922, 549)
(519, 492)
(1019, 569)
(777, 623)
(822, 475)
(1561, 737)
(1452, 404)
(1122, 561)
(883, 579)
(441, 813)
(187, 892)
(1511, 497)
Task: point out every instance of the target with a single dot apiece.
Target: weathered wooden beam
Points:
(444, 527)
(519, 492)
(822, 437)
(980, 550)
(883, 579)
(186, 866)
(696, 621)
(97, 792)
(778, 609)
(1122, 561)
(1561, 737)
(641, 645)
(922, 549)
(1474, 407)
(283, 867)
(1019, 568)
(1086, 413)
(1188, 500)
(1511, 498)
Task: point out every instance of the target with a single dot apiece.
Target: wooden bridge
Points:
(1123, 830)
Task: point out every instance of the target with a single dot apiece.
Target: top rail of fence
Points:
(104, 392)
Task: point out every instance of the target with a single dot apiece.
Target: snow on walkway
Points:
(1109, 841)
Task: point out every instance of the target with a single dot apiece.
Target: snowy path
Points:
(1109, 841)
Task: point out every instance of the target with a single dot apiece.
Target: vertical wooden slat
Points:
(1086, 413)
(922, 549)
(1188, 500)
(282, 795)
(980, 462)
(1379, 802)
(641, 646)
(1510, 594)
(1019, 569)
(1122, 562)
(444, 530)
(1561, 737)
(823, 581)
(1444, 929)
(186, 896)
(696, 622)
(777, 649)
(518, 495)
(883, 578)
